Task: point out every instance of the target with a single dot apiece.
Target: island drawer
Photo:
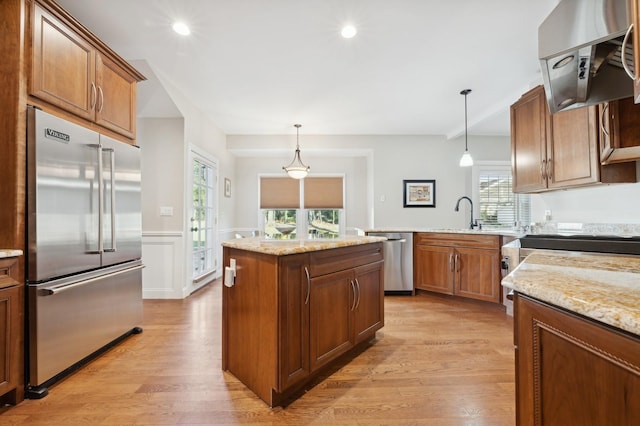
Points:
(338, 259)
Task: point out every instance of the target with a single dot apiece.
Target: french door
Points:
(204, 177)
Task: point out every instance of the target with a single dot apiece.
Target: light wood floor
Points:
(437, 361)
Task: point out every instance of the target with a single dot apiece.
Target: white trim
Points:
(162, 277)
(161, 234)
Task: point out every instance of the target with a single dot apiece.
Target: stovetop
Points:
(587, 243)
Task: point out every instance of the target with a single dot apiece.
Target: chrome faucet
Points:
(472, 223)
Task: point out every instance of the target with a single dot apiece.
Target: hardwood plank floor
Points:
(438, 361)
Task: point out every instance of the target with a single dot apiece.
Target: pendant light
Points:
(296, 169)
(466, 160)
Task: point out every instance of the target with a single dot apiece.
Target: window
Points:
(306, 208)
(497, 205)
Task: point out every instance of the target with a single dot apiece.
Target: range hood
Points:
(580, 47)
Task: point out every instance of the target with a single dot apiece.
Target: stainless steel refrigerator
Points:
(83, 265)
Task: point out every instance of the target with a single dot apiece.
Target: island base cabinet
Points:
(288, 317)
(293, 316)
(571, 370)
(347, 308)
(331, 319)
(369, 307)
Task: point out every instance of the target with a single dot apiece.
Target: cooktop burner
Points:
(588, 243)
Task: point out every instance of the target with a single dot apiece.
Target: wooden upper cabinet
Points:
(63, 70)
(116, 102)
(560, 150)
(529, 141)
(620, 131)
(74, 71)
(572, 148)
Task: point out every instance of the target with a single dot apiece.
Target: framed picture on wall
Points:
(419, 193)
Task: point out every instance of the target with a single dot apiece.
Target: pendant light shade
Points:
(297, 169)
(466, 160)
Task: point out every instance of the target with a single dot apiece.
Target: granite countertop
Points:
(603, 287)
(10, 253)
(285, 247)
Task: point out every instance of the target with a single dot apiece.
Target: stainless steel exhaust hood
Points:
(582, 46)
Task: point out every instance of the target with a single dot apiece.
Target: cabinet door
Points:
(9, 339)
(332, 302)
(433, 268)
(620, 131)
(573, 371)
(477, 274)
(572, 154)
(528, 141)
(293, 319)
(369, 308)
(116, 104)
(63, 66)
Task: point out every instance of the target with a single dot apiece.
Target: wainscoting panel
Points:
(163, 257)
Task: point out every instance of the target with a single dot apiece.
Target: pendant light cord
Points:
(465, 92)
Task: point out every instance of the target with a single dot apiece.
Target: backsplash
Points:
(569, 228)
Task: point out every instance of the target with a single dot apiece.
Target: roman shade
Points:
(323, 193)
(279, 193)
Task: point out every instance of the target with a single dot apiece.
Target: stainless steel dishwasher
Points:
(398, 261)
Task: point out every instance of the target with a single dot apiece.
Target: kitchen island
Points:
(577, 338)
(292, 308)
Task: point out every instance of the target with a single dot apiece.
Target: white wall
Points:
(375, 167)
(615, 203)
(166, 143)
(162, 147)
(161, 142)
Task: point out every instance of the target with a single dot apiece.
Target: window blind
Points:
(279, 193)
(499, 206)
(323, 193)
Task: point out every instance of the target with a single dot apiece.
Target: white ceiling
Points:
(259, 66)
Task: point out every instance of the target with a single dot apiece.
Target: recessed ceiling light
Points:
(348, 31)
(181, 28)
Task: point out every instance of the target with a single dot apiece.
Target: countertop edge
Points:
(286, 247)
(4, 253)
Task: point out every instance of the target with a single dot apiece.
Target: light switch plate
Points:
(166, 211)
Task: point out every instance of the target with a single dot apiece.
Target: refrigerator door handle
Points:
(100, 201)
(112, 196)
(52, 291)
